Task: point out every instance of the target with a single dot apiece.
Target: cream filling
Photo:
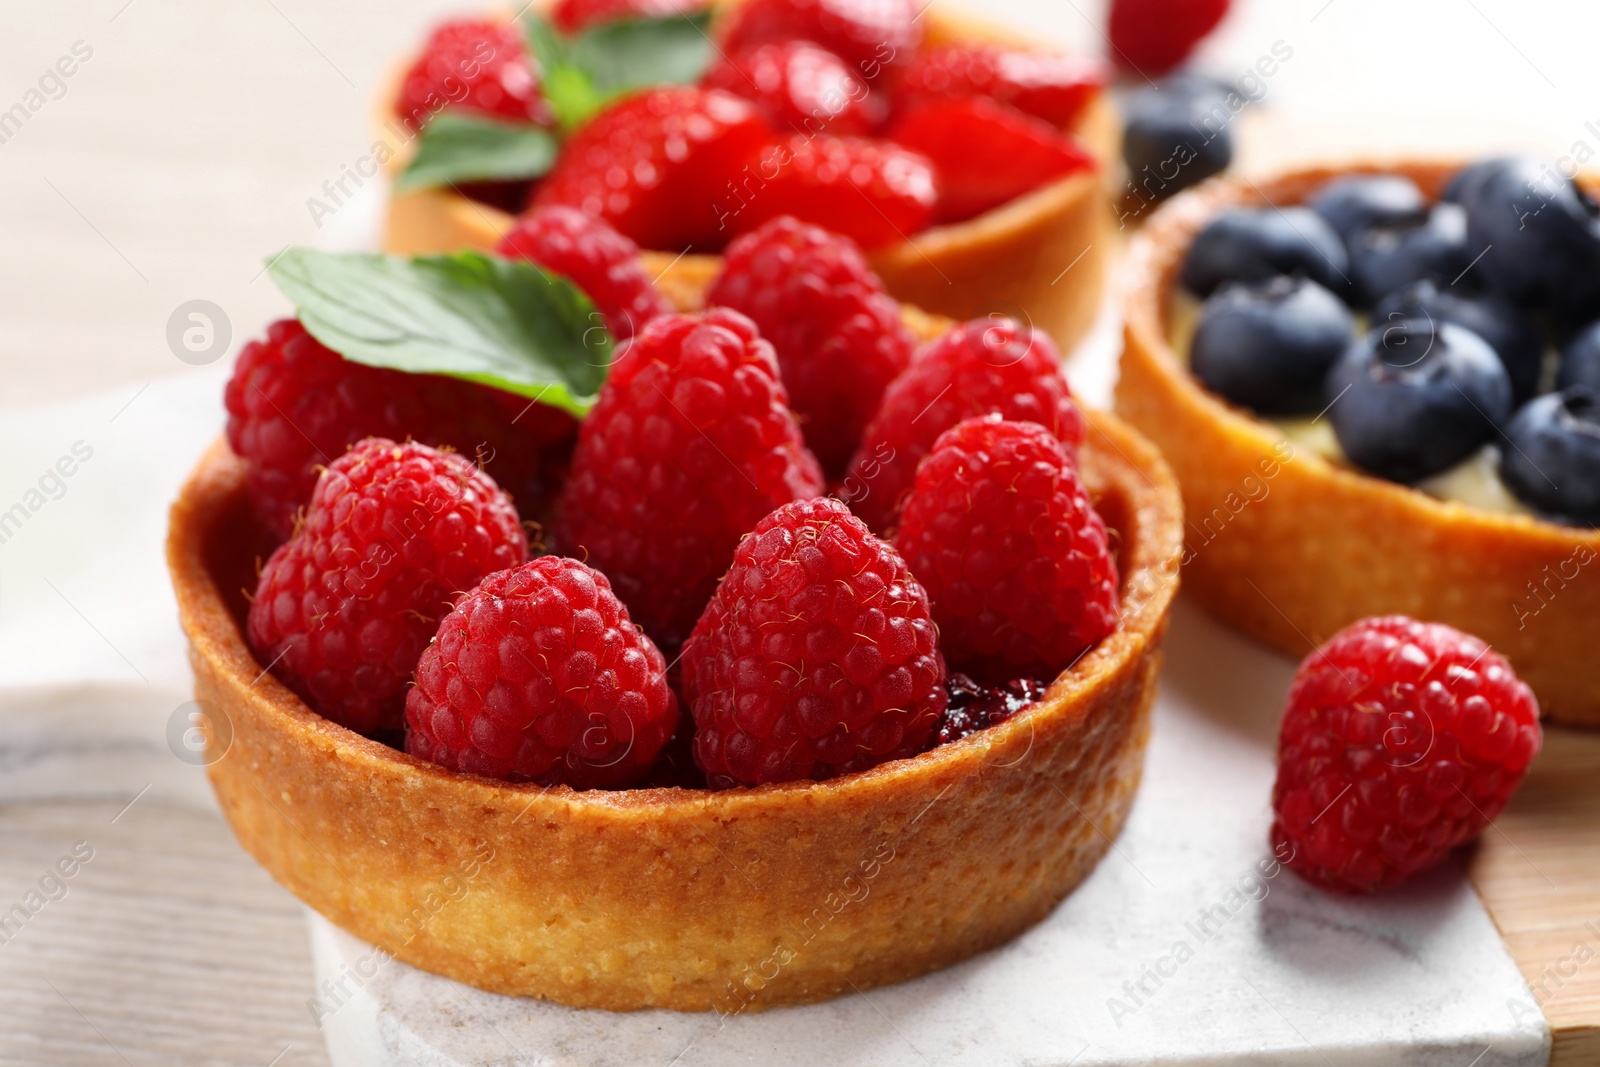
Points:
(1474, 482)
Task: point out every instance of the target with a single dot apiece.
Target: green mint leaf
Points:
(546, 46)
(467, 148)
(504, 323)
(572, 96)
(632, 53)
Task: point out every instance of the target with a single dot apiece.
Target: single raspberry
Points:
(1052, 86)
(974, 706)
(689, 445)
(538, 675)
(345, 607)
(963, 137)
(1151, 37)
(652, 165)
(871, 35)
(295, 405)
(1014, 557)
(474, 65)
(872, 192)
(817, 656)
(574, 16)
(1401, 740)
(839, 337)
(595, 258)
(800, 88)
(986, 366)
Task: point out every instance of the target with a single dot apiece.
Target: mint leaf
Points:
(546, 46)
(466, 148)
(504, 323)
(571, 95)
(632, 53)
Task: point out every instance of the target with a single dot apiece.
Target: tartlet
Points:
(1042, 258)
(1290, 547)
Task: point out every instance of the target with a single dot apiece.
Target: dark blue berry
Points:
(1415, 398)
(1514, 336)
(1176, 135)
(1580, 359)
(1252, 245)
(1268, 345)
(1392, 257)
(1465, 178)
(1551, 459)
(1362, 201)
(1541, 233)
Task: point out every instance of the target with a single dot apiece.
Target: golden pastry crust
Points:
(1042, 258)
(1292, 547)
(691, 900)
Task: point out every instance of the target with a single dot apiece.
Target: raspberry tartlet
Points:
(1332, 473)
(1030, 239)
(467, 853)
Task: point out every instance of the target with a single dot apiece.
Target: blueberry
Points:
(1252, 245)
(1268, 345)
(1467, 177)
(1362, 201)
(1514, 336)
(1175, 137)
(1393, 257)
(1414, 398)
(1580, 359)
(1552, 456)
(1543, 231)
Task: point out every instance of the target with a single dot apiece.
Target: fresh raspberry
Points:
(474, 65)
(873, 192)
(839, 337)
(1014, 557)
(982, 367)
(345, 607)
(1152, 37)
(1401, 740)
(1052, 86)
(574, 16)
(689, 445)
(800, 88)
(974, 706)
(652, 165)
(538, 675)
(872, 35)
(817, 656)
(965, 137)
(295, 405)
(595, 258)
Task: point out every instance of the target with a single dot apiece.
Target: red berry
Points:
(538, 675)
(653, 165)
(872, 35)
(986, 154)
(595, 258)
(1051, 86)
(981, 367)
(689, 445)
(474, 65)
(1401, 740)
(839, 337)
(1016, 561)
(573, 16)
(345, 607)
(817, 656)
(873, 192)
(295, 405)
(800, 87)
(1153, 36)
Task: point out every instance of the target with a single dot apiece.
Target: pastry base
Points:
(1291, 548)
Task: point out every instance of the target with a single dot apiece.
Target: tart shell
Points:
(1290, 548)
(1043, 258)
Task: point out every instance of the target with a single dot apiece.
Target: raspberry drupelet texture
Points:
(538, 675)
(1052, 86)
(595, 258)
(872, 35)
(1016, 560)
(690, 444)
(817, 656)
(1401, 740)
(839, 337)
(295, 405)
(344, 608)
(800, 88)
(573, 16)
(473, 65)
(981, 367)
